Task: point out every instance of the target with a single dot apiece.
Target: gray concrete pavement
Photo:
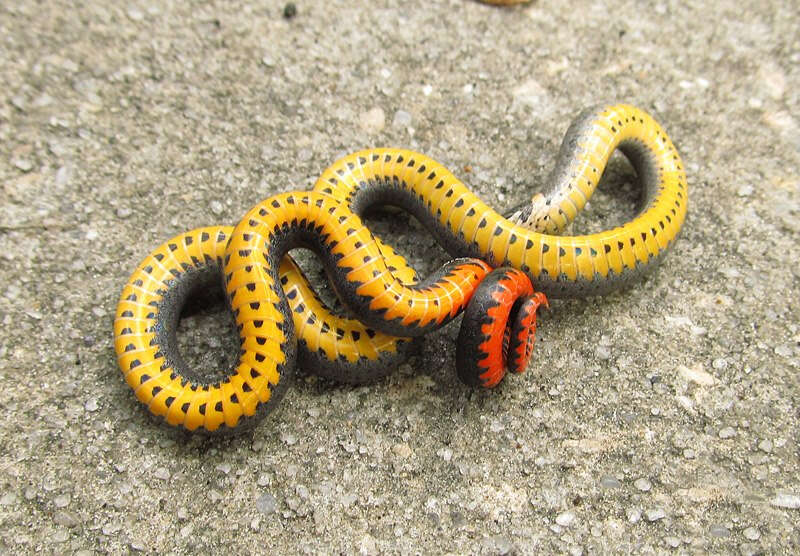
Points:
(663, 418)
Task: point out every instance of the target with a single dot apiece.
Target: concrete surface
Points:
(663, 418)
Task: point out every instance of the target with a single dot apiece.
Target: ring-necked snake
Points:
(273, 305)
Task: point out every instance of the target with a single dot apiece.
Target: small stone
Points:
(503, 545)
(63, 175)
(719, 531)
(751, 534)
(720, 364)
(603, 353)
(23, 164)
(135, 14)
(402, 450)
(765, 446)
(124, 212)
(772, 79)
(78, 266)
(654, 514)
(266, 504)
(427, 90)
(111, 527)
(678, 320)
(780, 120)
(531, 93)
(727, 432)
(698, 330)
(373, 121)
(62, 501)
(255, 523)
(688, 453)
(65, 519)
(224, 468)
(686, 403)
(216, 207)
(565, 519)
(61, 535)
(367, 545)
(45, 100)
(642, 484)
(673, 542)
(91, 405)
(161, 473)
(289, 439)
(183, 515)
(745, 191)
(610, 481)
(634, 515)
(8, 499)
(402, 119)
(781, 500)
(186, 530)
(696, 374)
(445, 453)
(18, 102)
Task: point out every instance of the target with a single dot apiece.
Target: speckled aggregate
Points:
(189, 112)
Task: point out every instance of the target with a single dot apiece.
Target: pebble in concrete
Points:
(266, 504)
(655, 514)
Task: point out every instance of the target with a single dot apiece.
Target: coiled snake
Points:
(273, 305)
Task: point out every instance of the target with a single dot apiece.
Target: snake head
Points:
(532, 215)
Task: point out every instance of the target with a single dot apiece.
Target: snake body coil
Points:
(273, 305)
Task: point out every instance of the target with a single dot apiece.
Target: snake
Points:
(273, 305)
